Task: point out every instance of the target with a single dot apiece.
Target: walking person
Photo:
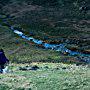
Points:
(3, 60)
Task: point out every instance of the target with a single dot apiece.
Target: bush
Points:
(4, 87)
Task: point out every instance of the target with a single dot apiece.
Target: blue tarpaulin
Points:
(37, 41)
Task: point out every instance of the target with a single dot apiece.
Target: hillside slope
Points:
(53, 22)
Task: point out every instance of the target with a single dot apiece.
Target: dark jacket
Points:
(3, 58)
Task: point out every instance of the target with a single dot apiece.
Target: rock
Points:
(57, 68)
(34, 67)
(23, 68)
(46, 67)
(29, 68)
(64, 68)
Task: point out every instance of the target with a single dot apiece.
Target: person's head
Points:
(1, 50)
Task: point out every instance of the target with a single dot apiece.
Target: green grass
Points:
(26, 52)
(72, 78)
(58, 76)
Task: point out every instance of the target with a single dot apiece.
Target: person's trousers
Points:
(1, 68)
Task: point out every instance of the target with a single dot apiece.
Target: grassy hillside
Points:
(49, 22)
(52, 20)
(19, 50)
(49, 76)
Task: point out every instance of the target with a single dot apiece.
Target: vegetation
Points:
(54, 21)
(19, 50)
(49, 76)
(49, 20)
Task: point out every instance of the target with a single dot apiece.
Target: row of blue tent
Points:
(57, 47)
